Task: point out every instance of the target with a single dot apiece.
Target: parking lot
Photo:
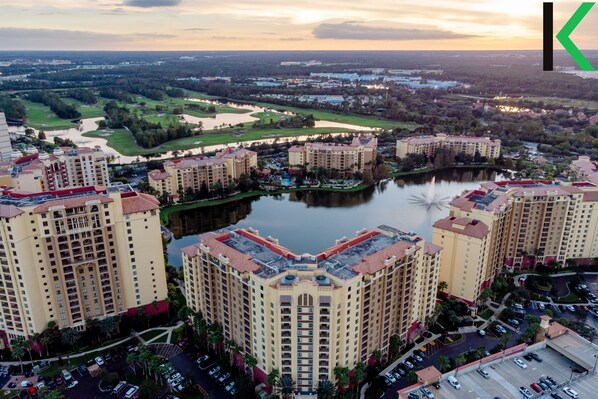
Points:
(506, 377)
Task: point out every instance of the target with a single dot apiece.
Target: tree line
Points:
(59, 107)
(147, 134)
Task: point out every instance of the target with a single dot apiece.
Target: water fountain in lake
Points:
(430, 199)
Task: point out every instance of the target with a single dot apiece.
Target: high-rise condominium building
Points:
(517, 224)
(469, 145)
(192, 173)
(76, 254)
(358, 156)
(5, 146)
(64, 168)
(306, 314)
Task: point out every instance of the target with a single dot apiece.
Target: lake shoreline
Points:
(166, 211)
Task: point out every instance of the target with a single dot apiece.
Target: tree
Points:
(70, 337)
(504, 339)
(395, 345)
(442, 286)
(18, 349)
(149, 389)
(250, 362)
(273, 377)
(485, 295)
(325, 390)
(342, 377)
(132, 359)
(358, 374)
(460, 360)
(107, 326)
(47, 393)
(286, 385)
(443, 363)
(368, 178)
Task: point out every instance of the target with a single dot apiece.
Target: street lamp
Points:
(595, 363)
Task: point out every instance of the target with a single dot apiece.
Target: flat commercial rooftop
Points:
(506, 378)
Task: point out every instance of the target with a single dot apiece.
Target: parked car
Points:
(230, 386)
(399, 370)
(408, 364)
(58, 380)
(570, 392)
(417, 358)
(224, 377)
(99, 361)
(454, 382)
(387, 381)
(526, 392)
(482, 332)
(570, 308)
(544, 386)
(520, 363)
(536, 357)
(202, 359)
(537, 388)
(214, 370)
(552, 380)
(541, 306)
(173, 377)
(73, 384)
(528, 357)
(391, 377)
(484, 373)
(513, 322)
(427, 393)
(132, 392)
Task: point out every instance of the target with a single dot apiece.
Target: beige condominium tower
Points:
(306, 314)
(517, 225)
(75, 254)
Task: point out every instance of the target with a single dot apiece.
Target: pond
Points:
(310, 221)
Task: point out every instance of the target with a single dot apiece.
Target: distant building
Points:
(347, 159)
(192, 173)
(515, 224)
(585, 169)
(5, 146)
(487, 147)
(77, 254)
(306, 314)
(64, 168)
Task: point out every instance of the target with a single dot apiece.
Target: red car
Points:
(537, 388)
(58, 380)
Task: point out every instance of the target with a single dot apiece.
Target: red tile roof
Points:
(375, 262)
(466, 226)
(69, 203)
(432, 249)
(9, 211)
(139, 203)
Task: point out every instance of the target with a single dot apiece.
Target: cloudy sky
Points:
(280, 24)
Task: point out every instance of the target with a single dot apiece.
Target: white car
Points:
(520, 363)
(230, 386)
(73, 384)
(526, 393)
(453, 381)
(541, 306)
(570, 392)
(99, 361)
(173, 377)
(427, 393)
(213, 371)
(391, 377)
(571, 308)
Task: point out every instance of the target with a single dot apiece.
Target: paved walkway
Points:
(134, 334)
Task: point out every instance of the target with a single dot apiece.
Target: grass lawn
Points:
(486, 314)
(171, 103)
(87, 111)
(9, 394)
(151, 334)
(161, 339)
(361, 120)
(569, 298)
(452, 339)
(41, 117)
(122, 141)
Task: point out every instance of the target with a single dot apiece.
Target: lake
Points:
(310, 221)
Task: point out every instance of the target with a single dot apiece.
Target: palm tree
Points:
(286, 384)
(443, 363)
(46, 341)
(358, 374)
(273, 377)
(342, 376)
(91, 326)
(250, 362)
(28, 345)
(18, 349)
(107, 326)
(325, 390)
(70, 337)
(132, 358)
(215, 336)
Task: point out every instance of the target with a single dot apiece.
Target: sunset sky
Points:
(279, 24)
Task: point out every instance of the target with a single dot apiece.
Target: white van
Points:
(453, 381)
(131, 392)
